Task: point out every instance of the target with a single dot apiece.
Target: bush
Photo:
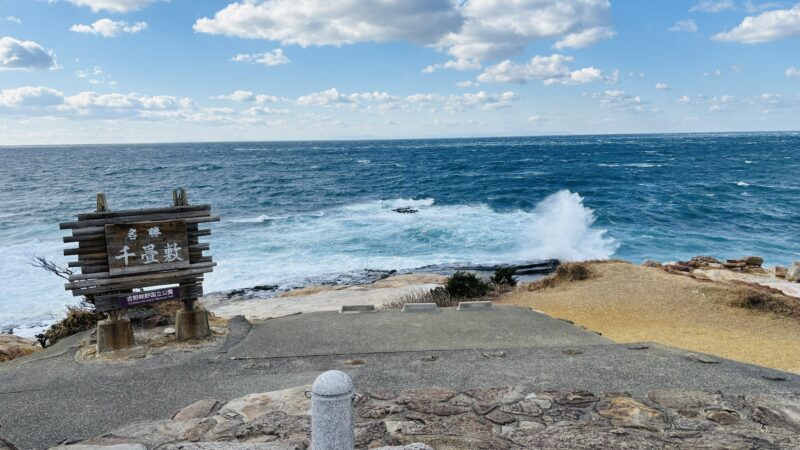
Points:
(565, 273)
(466, 285)
(765, 299)
(436, 295)
(79, 318)
(504, 276)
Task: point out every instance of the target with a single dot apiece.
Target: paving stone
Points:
(504, 394)
(500, 417)
(629, 413)
(523, 407)
(198, 409)
(436, 408)
(432, 394)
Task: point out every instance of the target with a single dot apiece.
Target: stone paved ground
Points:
(509, 417)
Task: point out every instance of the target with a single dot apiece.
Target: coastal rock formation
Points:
(793, 273)
(508, 417)
(12, 347)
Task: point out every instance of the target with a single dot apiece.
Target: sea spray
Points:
(562, 228)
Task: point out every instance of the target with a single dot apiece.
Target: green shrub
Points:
(465, 285)
(504, 276)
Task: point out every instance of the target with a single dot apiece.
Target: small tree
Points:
(465, 285)
(504, 276)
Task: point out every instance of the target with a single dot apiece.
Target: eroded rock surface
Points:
(503, 418)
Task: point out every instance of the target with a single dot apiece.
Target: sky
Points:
(127, 71)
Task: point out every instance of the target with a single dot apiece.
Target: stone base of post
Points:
(192, 325)
(113, 335)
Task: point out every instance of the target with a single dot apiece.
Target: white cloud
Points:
(765, 27)
(585, 38)
(30, 97)
(242, 96)
(95, 75)
(688, 26)
(662, 86)
(322, 22)
(552, 69)
(109, 28)
(25, 55)
(265, 111)
(619, 100)
(793, 73)
(455, 64)
(713, 6)
(114, 6)
(750, 7)
(271, 58)
(13, 19)
(716, 73)
(482, 100)
(467, 84)
(472, 30)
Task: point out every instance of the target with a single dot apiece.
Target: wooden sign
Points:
(121, 252)
(142, 247)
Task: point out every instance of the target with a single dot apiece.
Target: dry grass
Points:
(763, 298)
(437, 295)
(565, 273)
(630, 303)
(79, 318)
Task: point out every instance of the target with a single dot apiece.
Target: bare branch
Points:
(50, 266)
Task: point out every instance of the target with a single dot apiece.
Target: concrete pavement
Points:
(51, 396)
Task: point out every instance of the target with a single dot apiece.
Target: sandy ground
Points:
(323, 298)
(629, 303)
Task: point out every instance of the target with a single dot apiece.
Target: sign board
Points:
(143, 298)
(123, 251)
(135, 248)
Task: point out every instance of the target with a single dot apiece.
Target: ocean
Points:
(295, 213)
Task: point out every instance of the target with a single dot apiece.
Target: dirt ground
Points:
(629, 303)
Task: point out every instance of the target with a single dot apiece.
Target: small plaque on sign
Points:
(146, 247)
(143, 298)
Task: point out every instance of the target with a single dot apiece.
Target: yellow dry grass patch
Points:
(629, 303)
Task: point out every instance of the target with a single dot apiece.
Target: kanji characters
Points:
(171, 252)
(149, 254)
(123, 254)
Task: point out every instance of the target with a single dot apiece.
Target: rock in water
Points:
(12, 347)
(793, 274)
(753, 261)
(781, 271)
(405, 210)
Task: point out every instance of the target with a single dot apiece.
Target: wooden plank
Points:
(199, 233)
(84, 238)
(202, 220)
(92, 290)
(88, 263)
(135, 219)
(200, 247)
(88, 230)
(85, 249)
(192, 270)
(142, 212)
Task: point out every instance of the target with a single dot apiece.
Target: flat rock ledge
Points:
(508, 417)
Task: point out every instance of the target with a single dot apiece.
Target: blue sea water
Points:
(299, 212)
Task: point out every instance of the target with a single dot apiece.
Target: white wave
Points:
(562, 228)
(259, 219)
(748, 162)
(742, 183)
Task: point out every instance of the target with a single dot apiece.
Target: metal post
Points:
(332, 398)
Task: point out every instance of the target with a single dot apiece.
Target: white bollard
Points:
(332, 412)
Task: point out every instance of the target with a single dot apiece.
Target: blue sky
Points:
(105, 71)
